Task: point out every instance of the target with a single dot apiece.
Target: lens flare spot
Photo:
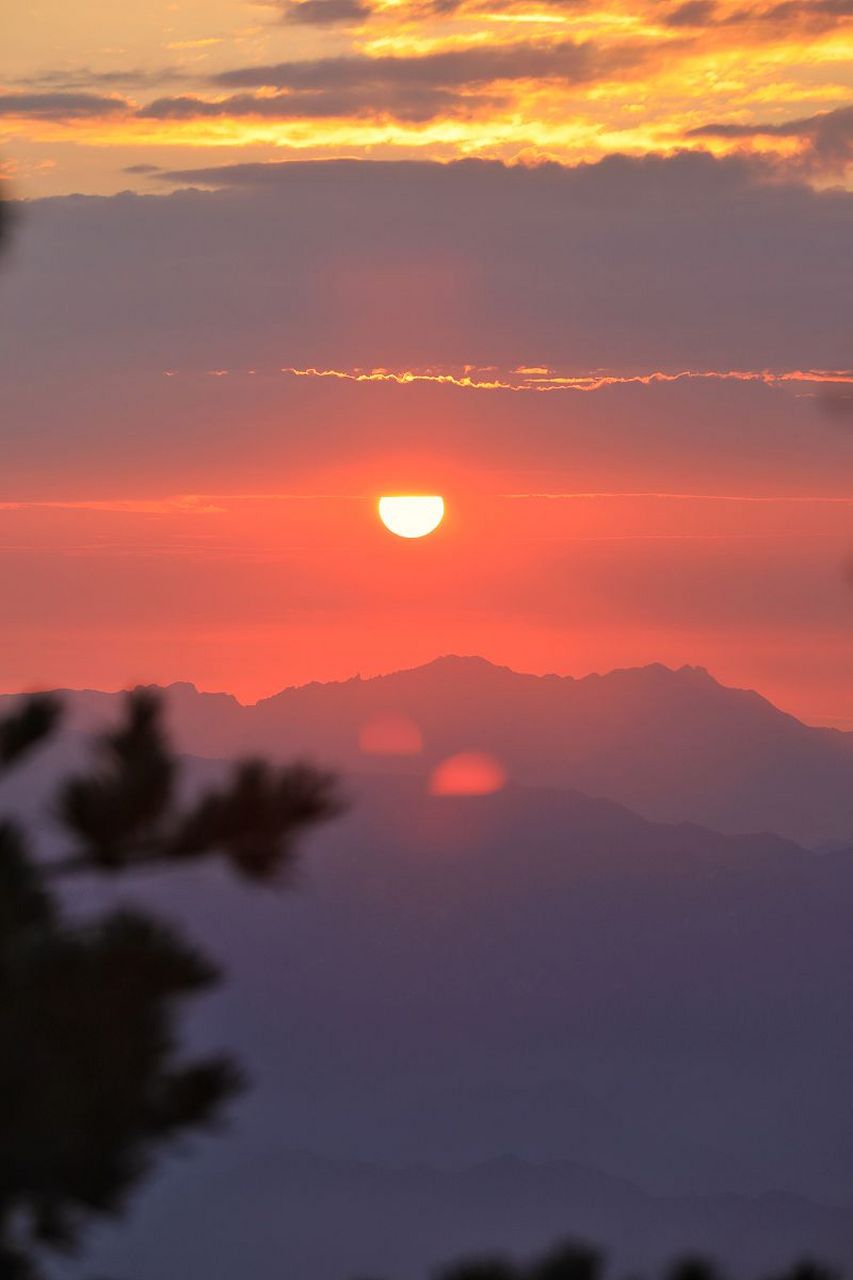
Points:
(390, 734)
(470, 773)
(411, 515)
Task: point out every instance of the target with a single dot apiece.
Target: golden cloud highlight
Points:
(541, 379)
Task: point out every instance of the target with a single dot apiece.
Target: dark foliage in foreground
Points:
(575, 1261)
(92, 1079)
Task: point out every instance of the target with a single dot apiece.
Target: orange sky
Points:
(249, 593)
(94, 89)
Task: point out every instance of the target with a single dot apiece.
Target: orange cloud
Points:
(822, 143)
(541, 379)
(516, 80)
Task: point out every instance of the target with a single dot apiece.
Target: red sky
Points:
(584, 270)
(250, 593)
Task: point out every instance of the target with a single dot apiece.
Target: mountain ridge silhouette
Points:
(672, 744)
(400, 1221)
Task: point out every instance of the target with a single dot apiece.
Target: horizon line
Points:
(419, 666)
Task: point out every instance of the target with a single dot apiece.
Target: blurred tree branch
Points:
(92, 1080)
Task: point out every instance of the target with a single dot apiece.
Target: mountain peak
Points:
(185, 691)
(476, 665)
(469, 662)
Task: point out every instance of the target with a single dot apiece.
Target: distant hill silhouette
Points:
(540, 973)
(291, 1213)
(533, 972)
(673, 745)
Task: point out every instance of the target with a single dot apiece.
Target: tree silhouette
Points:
(577, 1261)
(568, 1261)
(808, 1269)
(693, 1268)
(92, 1079)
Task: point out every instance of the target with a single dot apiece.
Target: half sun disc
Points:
(411, 515)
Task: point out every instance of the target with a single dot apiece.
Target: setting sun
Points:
(411, 516)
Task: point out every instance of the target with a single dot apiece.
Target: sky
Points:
(582, 268)
(95, 89)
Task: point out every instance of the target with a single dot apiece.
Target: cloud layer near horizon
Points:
(150, 336)
(627, 266)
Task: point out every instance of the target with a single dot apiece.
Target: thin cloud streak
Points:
(760, 499)
(61, 106)
(207, 504)
(184, 504)
(534, 379)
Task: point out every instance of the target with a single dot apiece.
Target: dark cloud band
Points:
(828, 137)
(61, 106)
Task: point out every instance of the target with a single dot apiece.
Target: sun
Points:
(411, 515)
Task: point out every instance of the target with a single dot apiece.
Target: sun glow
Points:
(411, 515)
(470, 773)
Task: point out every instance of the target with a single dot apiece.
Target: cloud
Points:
(83, 77)
(332, 12)
(142, 168)
(827, 138)
(407, 88)
(787, 14)
(413, 104)
(803, 12)
(515, 89)
(693, 13)
(326, 13)
(608, 271)
(61, 106)
(655, 180)
(564, 60)
(760, 22)
(540, 380)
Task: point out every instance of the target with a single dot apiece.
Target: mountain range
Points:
(535, 974)
(293, 1213)
(496, 1019)
(672, 745)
